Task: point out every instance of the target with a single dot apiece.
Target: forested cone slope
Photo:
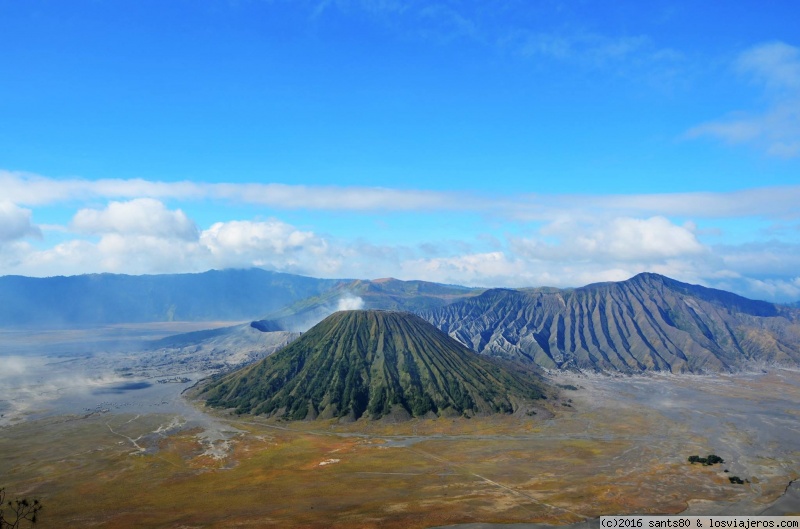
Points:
(372, 364)
(647, 323)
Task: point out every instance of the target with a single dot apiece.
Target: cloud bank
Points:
(527, 240)
(33, 190)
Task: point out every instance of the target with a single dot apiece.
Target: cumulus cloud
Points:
(15, 223)
(476, 269)
(565, 253)
(141, 216)
(619, 240)
(557, 240)
(272, 244)
(144, 236)
(132, 254)
(776, 130)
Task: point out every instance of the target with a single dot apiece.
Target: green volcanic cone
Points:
(374, 363)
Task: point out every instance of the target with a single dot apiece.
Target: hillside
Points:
(222, 348)
(383, 294)
(647, 323)
(373, 364)
(232, 295)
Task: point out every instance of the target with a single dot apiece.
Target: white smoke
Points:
(350, 303)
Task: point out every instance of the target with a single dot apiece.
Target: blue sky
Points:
(508, 143)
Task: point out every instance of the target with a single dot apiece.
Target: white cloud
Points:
(33, 190)
(776, 130)
(589, 48)
(773, 202)
(147, 254)
(15, 223)
(781, 289)
(565, 253)
(272, 243)
(622, 239)
(767, 202)
(580, 238)
(115, 253)
(477, 269)
(142, 216)
(771, 258)
(776, 64)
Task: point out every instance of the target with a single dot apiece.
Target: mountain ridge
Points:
(229, 295)
(646, 323)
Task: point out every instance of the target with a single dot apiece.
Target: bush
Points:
(712, 459)
(13, 513)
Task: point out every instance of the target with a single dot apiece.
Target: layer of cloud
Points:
(16, 223)
(582, 242)
(776, 130)
(33, 190)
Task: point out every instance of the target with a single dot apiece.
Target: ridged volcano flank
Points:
(647, 323)
(373, 363)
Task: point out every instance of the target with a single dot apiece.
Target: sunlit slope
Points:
(373, 364)
(648, 322)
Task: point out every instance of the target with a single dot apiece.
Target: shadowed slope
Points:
(373, 363)
(649, 322)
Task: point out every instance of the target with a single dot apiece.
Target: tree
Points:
(14, 512)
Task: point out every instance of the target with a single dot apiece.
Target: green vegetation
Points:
(375, 363)
(711, 459)
(14, 512)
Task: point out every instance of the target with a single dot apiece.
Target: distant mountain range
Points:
(647, 323)
(296, 302)
(226, 295)
(383, 294)
(375, 364)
